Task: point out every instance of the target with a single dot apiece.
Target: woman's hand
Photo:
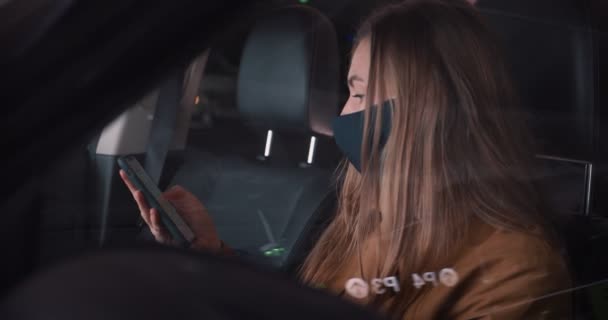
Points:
(191, 210)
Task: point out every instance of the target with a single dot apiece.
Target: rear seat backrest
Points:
(288, 83)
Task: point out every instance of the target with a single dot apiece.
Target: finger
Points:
(140, 199)
(125, 179)
(144, 209)
(156, 226)
(146, 217)
(156, 222)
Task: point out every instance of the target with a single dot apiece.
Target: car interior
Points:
(263, 164)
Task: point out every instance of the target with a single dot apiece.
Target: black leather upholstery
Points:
(290, 59)
(288, 83)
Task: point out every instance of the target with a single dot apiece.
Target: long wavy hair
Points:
(456, 155)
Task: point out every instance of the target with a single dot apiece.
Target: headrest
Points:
(167, 284)
(289, 72)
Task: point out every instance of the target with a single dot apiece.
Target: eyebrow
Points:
(352, 79)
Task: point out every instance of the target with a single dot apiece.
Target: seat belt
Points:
(181, 87)
(161, 134)
(177, 89)
(163, 125)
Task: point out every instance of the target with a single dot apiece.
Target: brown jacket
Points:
(501, 275)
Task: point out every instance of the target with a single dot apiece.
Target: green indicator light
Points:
(274, 252)
(303, 1)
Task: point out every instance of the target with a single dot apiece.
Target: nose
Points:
(348, 108)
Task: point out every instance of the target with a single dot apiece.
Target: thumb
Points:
(182, 199)
(175, 192)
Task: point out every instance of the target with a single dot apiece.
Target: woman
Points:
(436, 216)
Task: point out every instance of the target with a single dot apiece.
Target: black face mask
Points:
(348, 131)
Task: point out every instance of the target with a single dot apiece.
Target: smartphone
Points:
(171, 220)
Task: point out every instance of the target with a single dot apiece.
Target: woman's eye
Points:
(358, 96)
